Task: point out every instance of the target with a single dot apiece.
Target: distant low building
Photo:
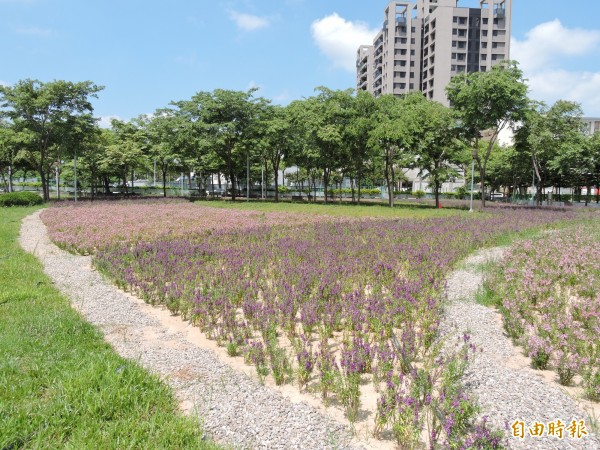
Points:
(593, 124)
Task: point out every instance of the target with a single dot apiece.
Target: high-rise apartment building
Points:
(424, 43)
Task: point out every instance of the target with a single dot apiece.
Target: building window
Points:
(485, 20)
(453, 55)
(412, 74)
(455, 19)
(462, 44)
(453, 43)
(412, 64)
(462, 33)
(454, 31)
(462, 20)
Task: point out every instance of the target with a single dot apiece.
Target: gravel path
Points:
(239, 411)
(235, 409)
(506, 393)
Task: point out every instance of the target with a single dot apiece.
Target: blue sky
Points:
(148, 53)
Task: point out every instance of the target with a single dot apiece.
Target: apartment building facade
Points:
(424, 43)
(592, 124)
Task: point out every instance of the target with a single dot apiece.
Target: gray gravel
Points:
(235, 409)
(506, 394)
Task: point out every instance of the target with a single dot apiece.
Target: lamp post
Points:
(472, 176)
(75, 174)
(248, 176)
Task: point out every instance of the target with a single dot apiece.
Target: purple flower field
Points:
(549, 294)
(330, 304)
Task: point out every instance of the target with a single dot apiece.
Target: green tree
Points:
(280, 139)
(553, 138)
(161, 141)
(392, 137)
(124, 152)
(47, 111)
(509, 168)
(433, 138)
(324, 118)
(488, 102)
(225, 118)
(364, 107)
(11, 154)
(593, 161)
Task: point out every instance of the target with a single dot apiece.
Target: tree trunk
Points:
(389, 174)
(4, 180)
(10, 178)
(164, 180)
(45, 188)
(482, 190)
(276, 173)
(326, 183)
(233, 186)
(92, 184)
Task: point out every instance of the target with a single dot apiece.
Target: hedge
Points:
(20, 199)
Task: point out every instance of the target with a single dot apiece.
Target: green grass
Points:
(61, 385)
(402, 210)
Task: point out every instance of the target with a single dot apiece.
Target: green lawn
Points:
(61, 385)
(370, 209)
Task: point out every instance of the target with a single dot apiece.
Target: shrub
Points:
(419, 194)
(20, 199)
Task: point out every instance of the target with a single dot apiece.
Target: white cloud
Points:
(4, 83)
(283, 97)
(339, 39)
(580, 87)
(547, 42)
(188, 60)
(547, 56)
(35, 31)
(249, 22)
(105, 121)
(254, 85)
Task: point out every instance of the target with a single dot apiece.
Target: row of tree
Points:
(329, 136)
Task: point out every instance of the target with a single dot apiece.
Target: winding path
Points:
(500, 376)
